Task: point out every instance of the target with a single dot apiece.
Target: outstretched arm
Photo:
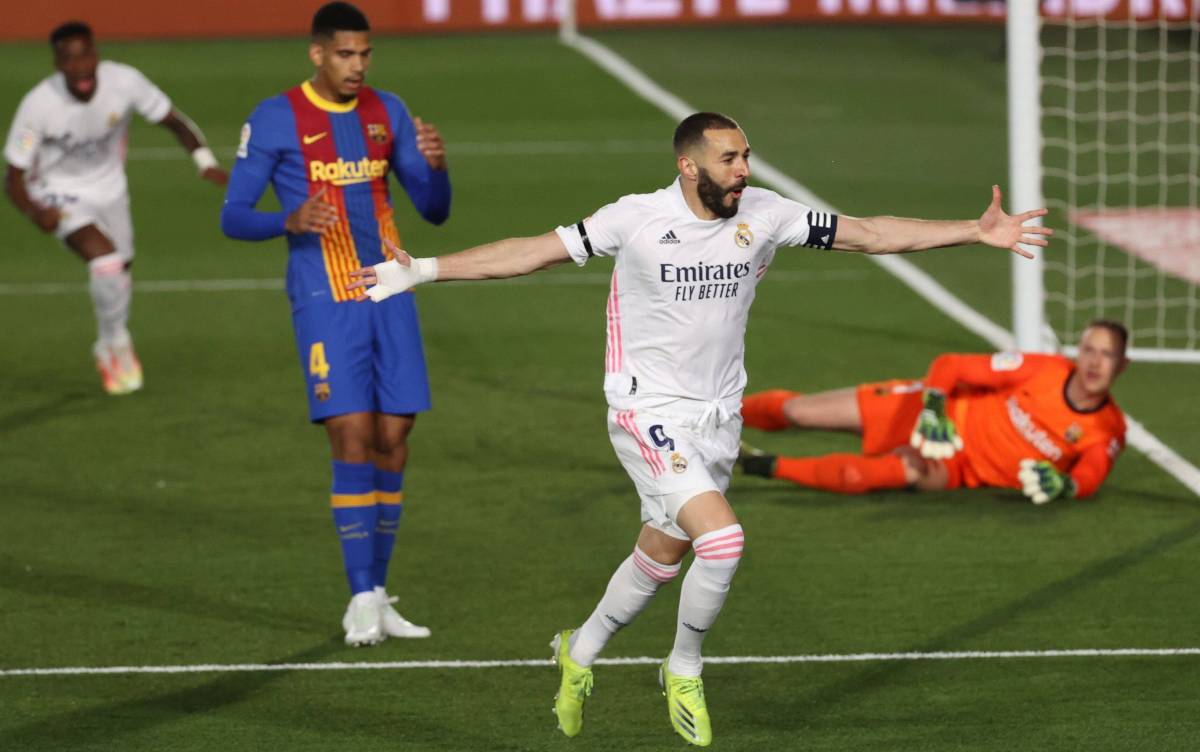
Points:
(514, 257)
(879, 235)
(192, 139)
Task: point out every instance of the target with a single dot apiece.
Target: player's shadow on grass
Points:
(46, 410)
(336, 721)
(102, 725)
(809, 707)
(76, 585)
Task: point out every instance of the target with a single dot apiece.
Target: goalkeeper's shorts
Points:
(889, 411)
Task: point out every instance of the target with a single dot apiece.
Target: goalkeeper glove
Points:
(934, 433)
(1042, 482)
(393, 278)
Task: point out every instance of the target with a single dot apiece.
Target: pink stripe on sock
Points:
(722, 548)
(701, 543)
(735, 555)
(651, 573)
(668, 571)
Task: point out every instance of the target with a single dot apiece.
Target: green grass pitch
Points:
(188, 524)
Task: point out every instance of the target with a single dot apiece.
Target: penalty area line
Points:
(751, 660)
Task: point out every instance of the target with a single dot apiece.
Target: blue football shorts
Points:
(362, 357)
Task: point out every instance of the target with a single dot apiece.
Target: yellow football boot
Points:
(574, 688)
(685, 705)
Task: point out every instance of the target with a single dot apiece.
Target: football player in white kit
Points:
(688, 260)
(66, 172)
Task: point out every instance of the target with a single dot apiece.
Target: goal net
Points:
(1119, 106)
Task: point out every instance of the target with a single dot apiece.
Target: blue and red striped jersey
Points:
(298, 143)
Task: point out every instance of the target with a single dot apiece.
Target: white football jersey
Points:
(75, 148)
(682, 288)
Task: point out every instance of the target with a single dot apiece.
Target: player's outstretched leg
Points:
(764, 410)
(705, 587)
(629, 591)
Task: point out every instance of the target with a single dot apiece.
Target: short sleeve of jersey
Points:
(602, 234)
(800, 225)
(149, 100)
(21, 146)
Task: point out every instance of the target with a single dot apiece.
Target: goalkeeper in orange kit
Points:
(1043, 424)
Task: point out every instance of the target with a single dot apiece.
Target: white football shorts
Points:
(110, 217)
(671, 460)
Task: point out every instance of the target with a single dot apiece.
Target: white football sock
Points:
(111, 286)
(703, 593)
(629, 591)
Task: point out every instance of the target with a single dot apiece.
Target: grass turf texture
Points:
(188, 523)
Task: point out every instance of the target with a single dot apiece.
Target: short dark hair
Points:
(331, 18)
(691, 131)
(1116, 327)
(70, 30)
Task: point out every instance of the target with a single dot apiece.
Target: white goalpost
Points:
(1104, 128)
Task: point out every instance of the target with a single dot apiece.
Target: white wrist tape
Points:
(427, 269)
(204, 159)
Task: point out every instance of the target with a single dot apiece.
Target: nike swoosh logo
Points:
(313, 139)
(348, 528)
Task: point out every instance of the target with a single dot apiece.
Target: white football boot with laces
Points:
(395, 625)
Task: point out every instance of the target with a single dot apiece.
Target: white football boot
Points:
(395, 625)
(363, 621)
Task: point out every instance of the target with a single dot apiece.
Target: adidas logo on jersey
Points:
(668, 239)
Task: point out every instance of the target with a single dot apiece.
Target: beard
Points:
(712, 195)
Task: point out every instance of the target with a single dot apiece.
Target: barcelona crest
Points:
(321, 391)
(377, 132)
(1074, 433)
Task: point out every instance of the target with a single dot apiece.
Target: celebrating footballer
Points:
(688, 261)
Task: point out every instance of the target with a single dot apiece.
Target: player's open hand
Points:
(935, 435)
(430, 144)
(1042, 482)
(215, 175)
(46, 217)
(1003, 231)
(314, 215)
(400, 274)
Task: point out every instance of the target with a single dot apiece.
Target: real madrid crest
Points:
(679, 463)
(743, 237)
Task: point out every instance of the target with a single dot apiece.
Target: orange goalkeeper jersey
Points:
(1012, 406)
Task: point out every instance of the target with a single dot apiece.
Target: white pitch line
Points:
(743, 660)
(454, 149)
(238, 285)
(916, 279)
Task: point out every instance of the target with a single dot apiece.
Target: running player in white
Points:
(66, 172)
(688, 259)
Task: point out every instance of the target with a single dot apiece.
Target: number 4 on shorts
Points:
(317, 365)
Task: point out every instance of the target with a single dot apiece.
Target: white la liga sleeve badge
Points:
(243, 149)
(1007, 361)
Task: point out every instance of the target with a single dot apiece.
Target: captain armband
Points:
(822, 230)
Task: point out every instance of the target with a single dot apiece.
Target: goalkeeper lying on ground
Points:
(1039, 423)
